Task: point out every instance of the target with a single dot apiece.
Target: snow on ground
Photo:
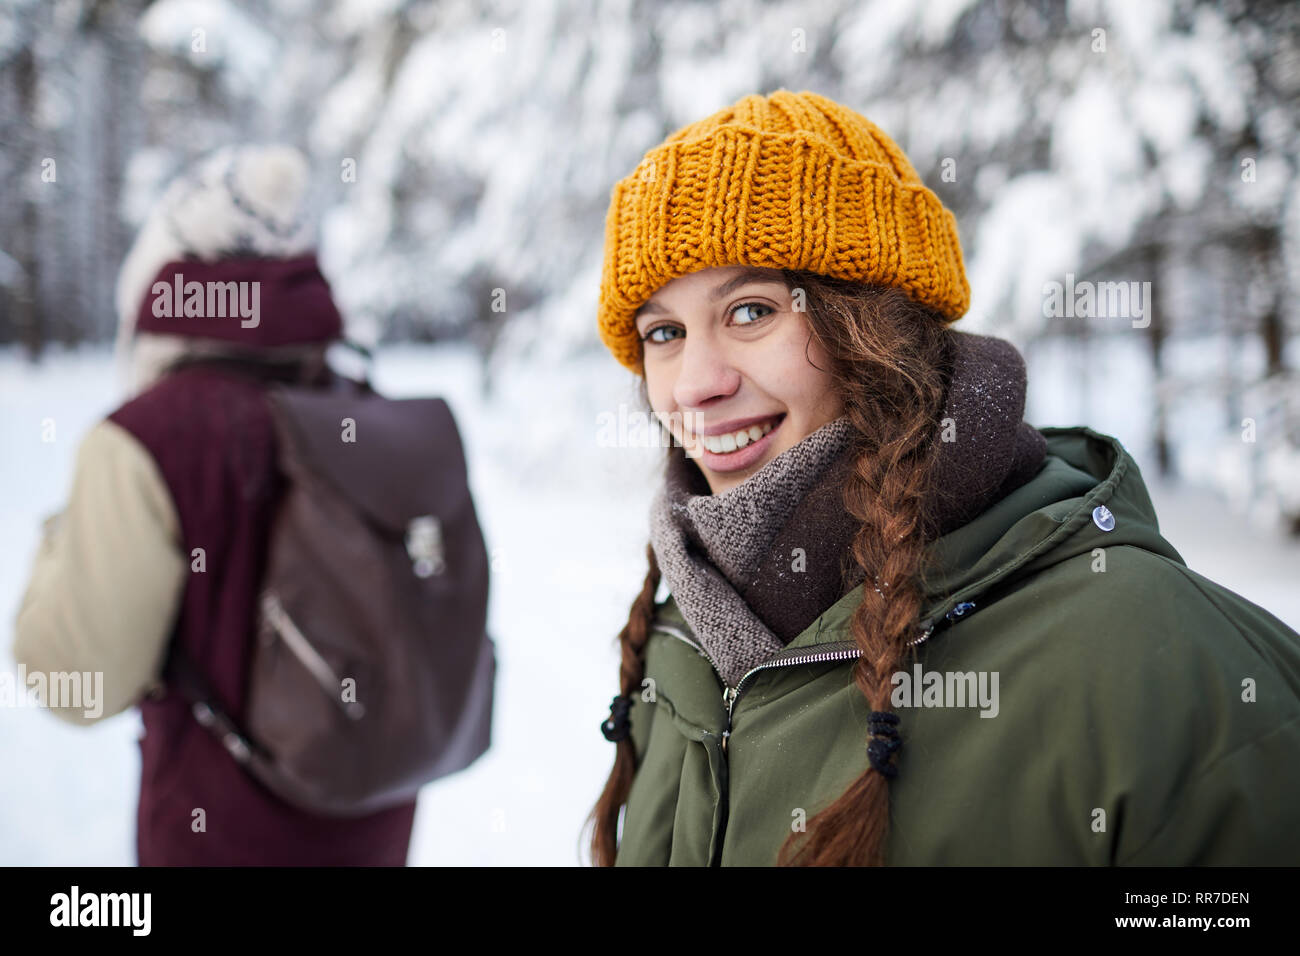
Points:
(565, 521)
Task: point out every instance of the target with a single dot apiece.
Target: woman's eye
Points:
(661, 333)
(744, 314)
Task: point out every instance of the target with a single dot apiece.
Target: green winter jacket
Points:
(1143, 714)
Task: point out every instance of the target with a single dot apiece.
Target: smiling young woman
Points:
(858, 530)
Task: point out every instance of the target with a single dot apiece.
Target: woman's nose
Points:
(705, 374)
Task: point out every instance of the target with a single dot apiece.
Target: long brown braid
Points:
(603, 819)
(890, 358)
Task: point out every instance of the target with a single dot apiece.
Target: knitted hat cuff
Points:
(737, 195)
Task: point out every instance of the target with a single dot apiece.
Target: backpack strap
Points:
(186, 678)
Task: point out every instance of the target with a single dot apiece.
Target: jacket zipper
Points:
(731, 694)
(847, 650)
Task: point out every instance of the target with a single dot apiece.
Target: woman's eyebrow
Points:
(649, 308)
(754, 274)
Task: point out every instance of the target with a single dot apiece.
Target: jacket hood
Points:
(1047, 520)
(1054, 516)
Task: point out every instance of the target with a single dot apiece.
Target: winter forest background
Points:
(459, 148)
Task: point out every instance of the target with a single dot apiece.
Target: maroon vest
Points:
(210, 432)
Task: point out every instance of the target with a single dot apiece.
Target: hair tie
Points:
(617, 726)
(883, 728)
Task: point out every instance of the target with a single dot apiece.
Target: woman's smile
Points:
(735, 445)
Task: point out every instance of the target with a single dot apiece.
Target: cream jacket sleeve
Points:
(106, 583)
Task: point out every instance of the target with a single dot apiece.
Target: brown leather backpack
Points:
(373, 672)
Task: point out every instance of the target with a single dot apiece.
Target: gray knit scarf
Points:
(751, 567)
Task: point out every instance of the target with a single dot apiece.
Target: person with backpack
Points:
(902, 625)
(280, 568)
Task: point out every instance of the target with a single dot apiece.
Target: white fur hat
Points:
(237, 201)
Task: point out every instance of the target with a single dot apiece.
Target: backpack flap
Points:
(395, 460)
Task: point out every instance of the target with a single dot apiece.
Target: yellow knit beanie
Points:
(787, 181)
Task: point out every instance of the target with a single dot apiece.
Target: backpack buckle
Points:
(424, 546)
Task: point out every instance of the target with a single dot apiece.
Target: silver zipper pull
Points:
(728, 698)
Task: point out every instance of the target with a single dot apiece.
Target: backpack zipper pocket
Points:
(307, 655)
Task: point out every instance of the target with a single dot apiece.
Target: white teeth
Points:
(724, 444)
